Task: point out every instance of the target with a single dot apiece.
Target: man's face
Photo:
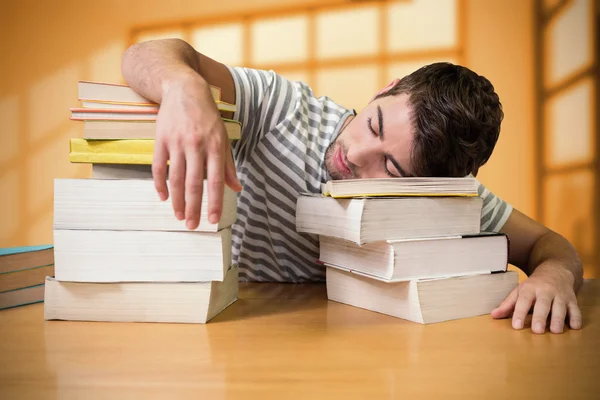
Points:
(375, 144)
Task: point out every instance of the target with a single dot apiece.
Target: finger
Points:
(177, 182)
(215, 178)
(543, 303)
(557, 320)
(575, 318)
(524, 302)
(159, 169)
(507, 306)
(194, 181)
(231, 178)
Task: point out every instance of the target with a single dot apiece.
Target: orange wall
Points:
(499, 45)
(48, 46)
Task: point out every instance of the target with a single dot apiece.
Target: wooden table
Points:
(287, 341)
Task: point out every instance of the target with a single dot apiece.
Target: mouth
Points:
(340, 162)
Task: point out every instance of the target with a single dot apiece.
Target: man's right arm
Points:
(190, 134)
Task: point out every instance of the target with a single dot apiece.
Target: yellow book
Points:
(124, 151)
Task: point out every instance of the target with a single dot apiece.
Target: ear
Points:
(387, 88)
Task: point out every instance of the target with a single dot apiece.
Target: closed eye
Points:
(370, 126)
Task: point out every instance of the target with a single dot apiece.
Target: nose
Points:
(365, 157)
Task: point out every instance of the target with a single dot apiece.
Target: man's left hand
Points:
(550, 291)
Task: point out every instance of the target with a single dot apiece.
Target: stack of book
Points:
(22, 274)
(120, 253)
(408, 247)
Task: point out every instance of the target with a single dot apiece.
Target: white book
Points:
(407, 259)
(193, 302)
(366, 220)
(127, 204)
(141, 256)
(418, 186)
(423, 301)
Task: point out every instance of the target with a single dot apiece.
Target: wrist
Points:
(183, 78)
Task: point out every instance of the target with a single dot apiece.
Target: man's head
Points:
(441, 120)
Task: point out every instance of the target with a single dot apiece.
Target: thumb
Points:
(231, 178)
(507, 306)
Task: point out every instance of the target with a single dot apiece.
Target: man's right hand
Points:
(191, 136)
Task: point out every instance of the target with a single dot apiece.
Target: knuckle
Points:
(192, 140)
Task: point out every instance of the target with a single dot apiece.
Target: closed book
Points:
(21, 297)
(423, 301)
(141, 256)
(128, 204)
(418, 258)
(25, 277)
(25, 257)
(92, 91)
(366, 220)
(385, 187)
(189, 302)
(115, 130)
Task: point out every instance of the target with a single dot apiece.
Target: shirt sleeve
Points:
(263, 100)
(495, 211)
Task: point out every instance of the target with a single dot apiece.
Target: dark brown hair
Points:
(456, 117)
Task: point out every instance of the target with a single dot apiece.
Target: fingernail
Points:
(190, 224)
(576, 325)
(213, 218)
(162, 195)
(179, 215)
(539, 327)
(518, 324)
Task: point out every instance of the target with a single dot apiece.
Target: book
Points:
(112, 130)
(193, 302)
(111, 93)
(123, 151)
(419, 258)
(122, 171)
(141, 256)
(423, 301)
(383, 187)
(365, 220)
(136, 151)
(119, 106)
(21, 297)
(21, 258)
(91, 91)
(25, 277)
(128, 204)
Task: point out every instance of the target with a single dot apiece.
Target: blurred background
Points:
(541, 55)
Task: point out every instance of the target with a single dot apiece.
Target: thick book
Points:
(128, 204)
(385, 187)
(20, 258)
(21, 297)
(23, 278)
(419, 258)
(423, 301)
(192, 302)
(141, 256)
(119, 94)
(114, 130)
(365, 220)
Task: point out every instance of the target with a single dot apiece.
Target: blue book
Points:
(19, 258)
(21, 297)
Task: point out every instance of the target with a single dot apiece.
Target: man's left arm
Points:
(555, 275)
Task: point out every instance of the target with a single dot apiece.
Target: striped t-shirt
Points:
(285, 132)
